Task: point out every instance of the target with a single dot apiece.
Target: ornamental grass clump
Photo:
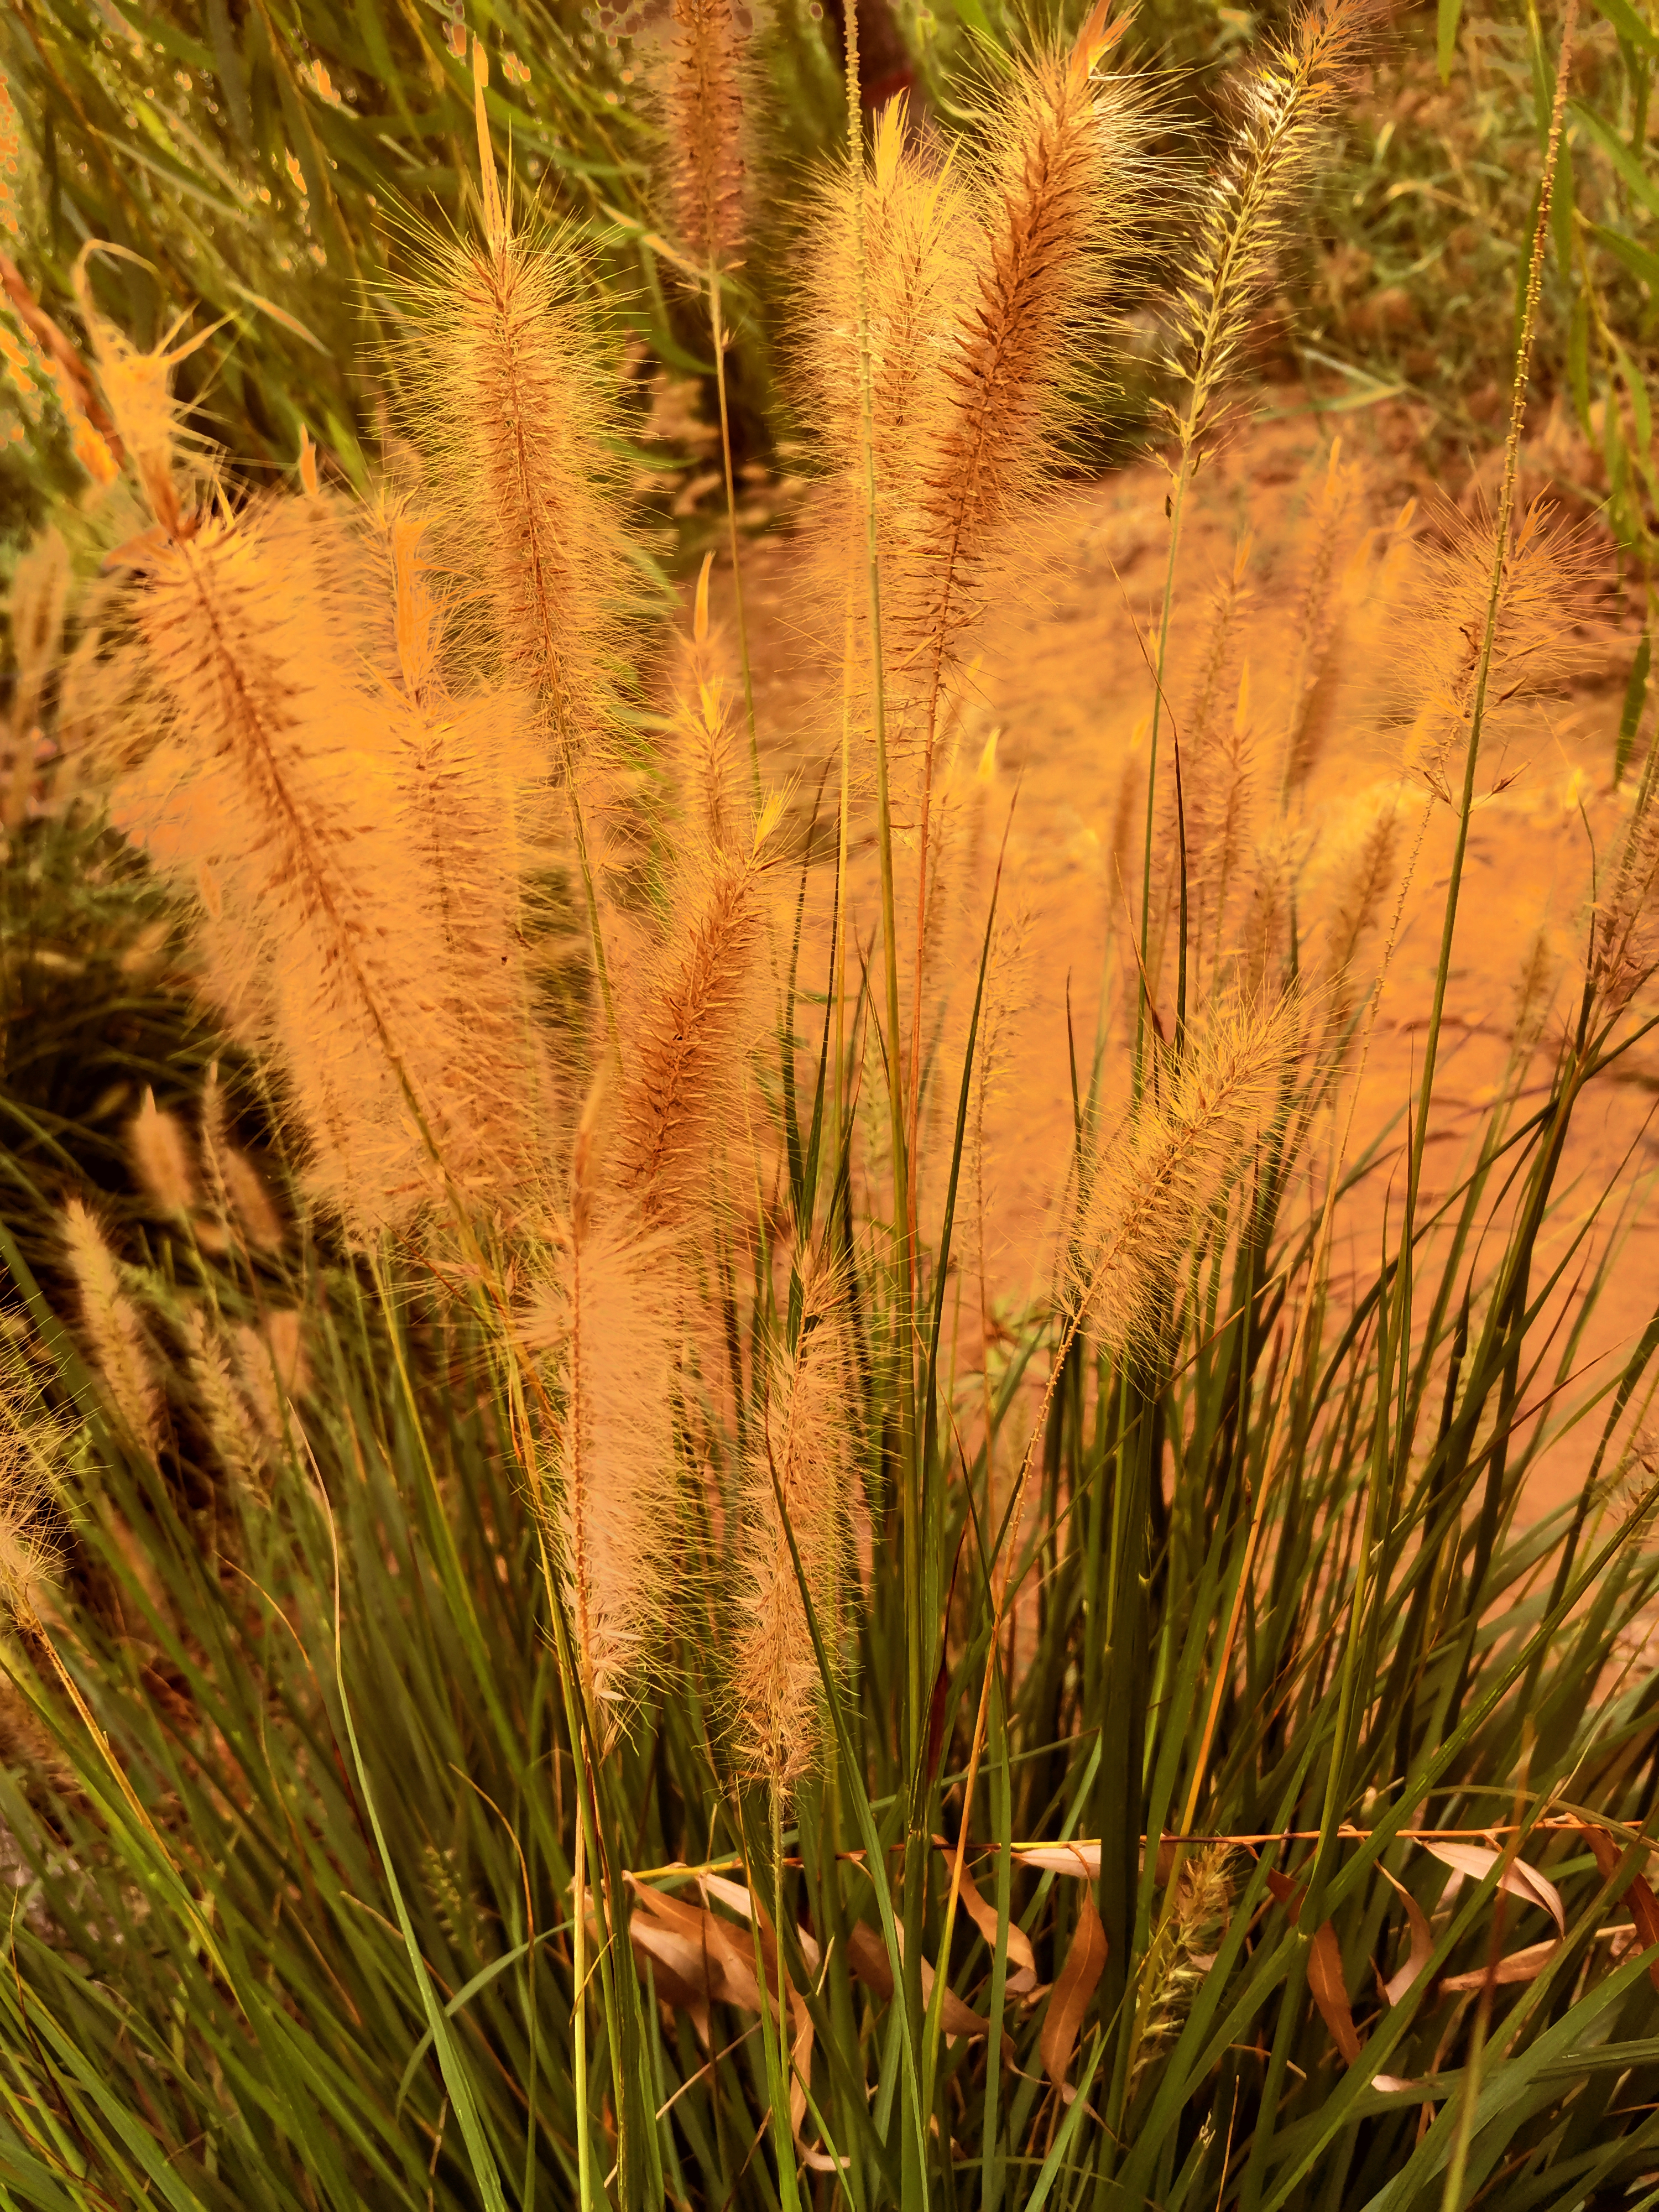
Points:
(575, 1634)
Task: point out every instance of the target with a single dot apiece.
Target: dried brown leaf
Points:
(1068, 2000)
(984, 1917)
(1477, 1861)
(1643, 1905)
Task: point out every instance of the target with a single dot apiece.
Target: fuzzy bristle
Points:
(234, 1439)
(1332, 546)
(239, 1197)
(916, 218)
(1183, 1948)
(608, 1322)
(704, 744)
(1445, 610)
(688, 1042)
(282, 779)
(113, 1327)
(513, 410)
(465, 798)
(800, 1474)
(1356, 866)
(273, 1370)
(1057, 194)
(703, 96)
(1156, 1185)
(160, 1154)
(1281, 111)
(1217, 762)
(1626, 946)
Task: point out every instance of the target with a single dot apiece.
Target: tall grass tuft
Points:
(544, 1664)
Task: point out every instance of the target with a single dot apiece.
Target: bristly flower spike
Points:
(111, 1325)
(704, 101)
(515, 410)
(798, 1484)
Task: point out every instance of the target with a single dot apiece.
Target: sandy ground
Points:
(1064, 686)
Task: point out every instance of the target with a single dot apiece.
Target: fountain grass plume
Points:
(702, 92)
(1281, 109)
(911, 213)
(799, 1482)
(469, 802)
(236, 1441)
(510, 403)
(161, 1155)
(1156, 1186)
(1539, 598)
(689, 1031)
(274, 785)
(113, 1329)
(606, 1321)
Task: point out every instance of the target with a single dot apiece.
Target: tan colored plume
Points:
(800, 1483)
(608, 1322)
(1444, 608)
(512, 411)
(1157, 1182)
(702, 84)
(1249, 200)
(236, 1440)
(689, 1041)
(160, 1154)
(112, 1327)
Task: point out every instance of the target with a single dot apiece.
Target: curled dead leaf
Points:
(1068, 2000)
(1643, 1905)
(1520, 1880)
(868, 1956)
(1519, 1966)
(1081, 1860)
(1422, 1944)
(1021, 1957)
(1325, 1978)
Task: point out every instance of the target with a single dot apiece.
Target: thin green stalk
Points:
(915, 1707)
(1489, 631)
(717, 333)
(1177, 509)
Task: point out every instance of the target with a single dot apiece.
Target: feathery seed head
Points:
(1058, 190)
(514, 410)
(239, 1195)
(1183, 1950)
(1156, 1186)
(138, 391)
(112, 1325)
(702, 88)
(1354, 867)
(273, 1370)
(801, 1471)
(607, 1320)
(1536, 988)
(690, 1037)
(1333, 547)
(1248, 201)
(1624, 950)
(232, 1433)
(161, 1152)
(1541, 591)
(705, 746)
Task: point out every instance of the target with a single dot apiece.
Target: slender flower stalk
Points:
(1250, 201)
(1058, 196)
